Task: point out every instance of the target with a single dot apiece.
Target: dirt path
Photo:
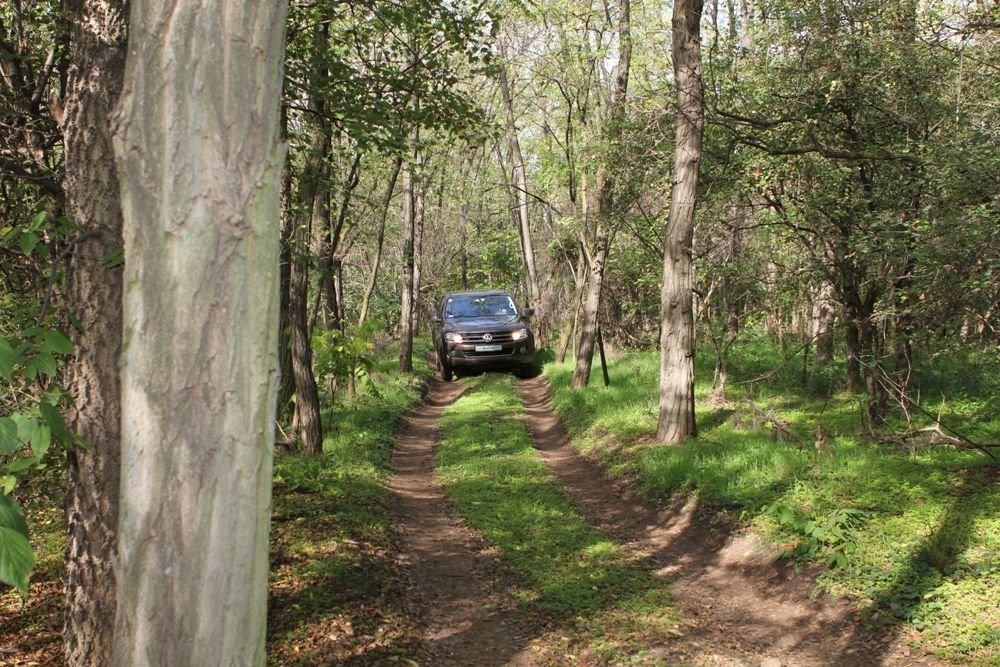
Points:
(744, 607)
(465, 618)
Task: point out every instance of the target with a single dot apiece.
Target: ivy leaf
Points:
(8, 359)
(56, 423)
(40, 219)
(28, 241)
(16, 559)
(56, 342)
(11, 516)
(43, 363)
(41, 440)
(25, 427)
(9, 441)
(17, 465)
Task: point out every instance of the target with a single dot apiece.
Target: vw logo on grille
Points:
(487, 337)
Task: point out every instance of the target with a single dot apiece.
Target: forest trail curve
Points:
(742, 604)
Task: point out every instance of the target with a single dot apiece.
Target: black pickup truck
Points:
(483, 330)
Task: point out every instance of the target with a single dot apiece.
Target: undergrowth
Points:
(334, 599)
(911, 535)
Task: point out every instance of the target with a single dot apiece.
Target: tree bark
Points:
(309, 427)
(286, 389)
(419, 184)
(677, 416)
(591, 310)
(312, 201)
(94, 296)
(200, 157)
(406, 291)
(824, 316)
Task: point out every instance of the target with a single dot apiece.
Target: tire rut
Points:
(466, 619)
(743, 606)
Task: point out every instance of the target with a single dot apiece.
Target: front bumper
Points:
(510, 354)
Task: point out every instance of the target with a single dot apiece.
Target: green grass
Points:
(334, 597)
(912, 536)
(571, 573)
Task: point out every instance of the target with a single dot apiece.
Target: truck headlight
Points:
(519, 334)
(453, 337)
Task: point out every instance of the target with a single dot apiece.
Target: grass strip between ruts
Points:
(608, 605)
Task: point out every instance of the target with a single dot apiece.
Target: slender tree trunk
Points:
(677, 417)
(591, 308)
(380, 240)
(312, 201)
(520, 192)
(406, 291)
(330, 273)
(824, 316)
(287, 387)
(307, 415)
(852, 336)
(94, 296)
(199, 152)
(604, 235)
(419, 208)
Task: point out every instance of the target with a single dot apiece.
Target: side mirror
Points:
(436, 319)
(528, 312)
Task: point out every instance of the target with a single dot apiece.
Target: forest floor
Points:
(739, 604)
(379, 558)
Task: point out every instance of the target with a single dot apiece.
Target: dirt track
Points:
(742, 607)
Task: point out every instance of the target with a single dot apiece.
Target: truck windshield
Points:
(492, 305)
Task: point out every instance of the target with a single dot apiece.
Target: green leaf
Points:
(43, 363)
(25, 427)
(7, 484)
(36, 223)
(41, 441)
(9, 442)
(113, 258)
(11, 515)
(8, 359)
(28, 241)
(55, 421)
(17, 465)
(16, 559)
(56, 342)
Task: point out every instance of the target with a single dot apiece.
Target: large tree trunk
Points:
(94, 296)
(200, 156)
(604, 235)
(677, 419)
